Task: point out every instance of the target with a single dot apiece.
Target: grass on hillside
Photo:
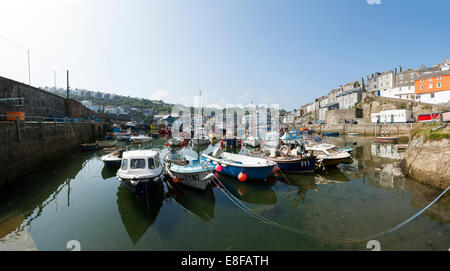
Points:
(426, 130)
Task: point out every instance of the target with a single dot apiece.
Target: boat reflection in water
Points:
(138, 215)
(108, 172)
(308, 182)
(198, 202)
(386, 151)
(250, 191)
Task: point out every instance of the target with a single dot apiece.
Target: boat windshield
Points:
(333, 150)
(151, 163)
(124, 164)
(137, 163)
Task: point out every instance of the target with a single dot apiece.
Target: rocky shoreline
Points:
(427, 157)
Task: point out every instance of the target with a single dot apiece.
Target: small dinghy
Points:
(89, 147)
(106, 143)
(188, 171)
(240, 166)
(385, 139)
(113, 159)
(140, 170)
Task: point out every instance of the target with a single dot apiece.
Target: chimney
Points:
(395, 70)
(401, 69)
(362, 82)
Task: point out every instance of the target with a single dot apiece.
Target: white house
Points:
(392, 116)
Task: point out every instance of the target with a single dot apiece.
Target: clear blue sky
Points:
(285, 52)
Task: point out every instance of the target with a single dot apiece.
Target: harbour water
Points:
(78, 199)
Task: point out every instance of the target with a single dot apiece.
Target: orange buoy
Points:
(242, 177)
(176, 179)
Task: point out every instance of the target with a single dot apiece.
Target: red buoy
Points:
(242, 177)
(176, 179)
(218, 168)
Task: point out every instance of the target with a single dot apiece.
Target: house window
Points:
(432, 95)
(418, 97)
(438, 85)
(421, 81)
(430, 86)
(422, 87)
(439, 78)
(430, 79)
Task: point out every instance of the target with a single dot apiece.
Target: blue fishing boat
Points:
(298, 164)
(240, 166)
(331, 134)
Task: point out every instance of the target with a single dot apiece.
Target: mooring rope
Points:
(259, 217)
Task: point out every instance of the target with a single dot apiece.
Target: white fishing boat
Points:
(189, 171)
(328, 154)
(252, 141)
(141, 139)
(140, 170)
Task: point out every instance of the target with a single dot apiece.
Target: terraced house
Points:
(433, 86)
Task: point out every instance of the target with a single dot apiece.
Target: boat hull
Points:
(331, 134)
(295, 165)
(334, 162)
(253, 173)
(199, 180)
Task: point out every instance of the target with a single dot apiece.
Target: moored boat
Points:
(88, 146)
(113, 159)
(385, 139)
(330, 134)
(240, 166)
(194, 173)
(328, 154)
(140, 170)
(106, 143)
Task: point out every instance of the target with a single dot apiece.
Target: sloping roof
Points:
(350, 91)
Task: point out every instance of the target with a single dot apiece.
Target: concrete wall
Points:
(41, 103)
(39, 145)
(339, 116)
(364, 129)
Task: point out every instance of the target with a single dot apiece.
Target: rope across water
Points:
(260, 218)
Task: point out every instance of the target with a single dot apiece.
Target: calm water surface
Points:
(79, 199)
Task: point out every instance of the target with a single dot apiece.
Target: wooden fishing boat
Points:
(88, 146)
(240, 166)
(106, 143)
(385, 139)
